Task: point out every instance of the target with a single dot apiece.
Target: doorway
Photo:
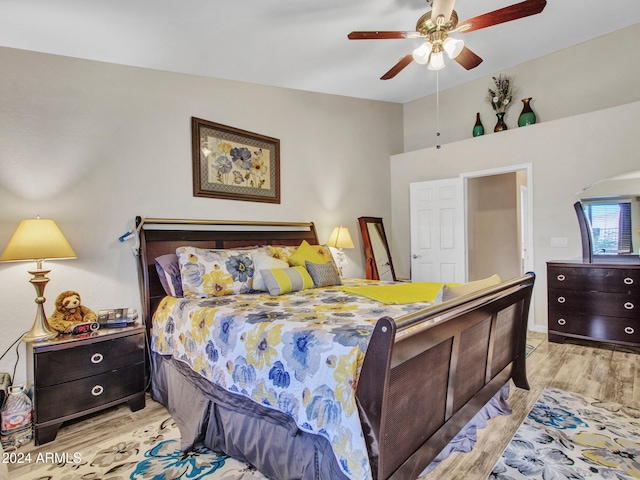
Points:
(483, 217)
(499, 222)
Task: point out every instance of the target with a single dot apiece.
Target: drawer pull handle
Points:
(561, 278)
(97, 390)
(629, 330)
(96, 358)
(628, 281)
(561, 321)
(628, 306)
(561, 299)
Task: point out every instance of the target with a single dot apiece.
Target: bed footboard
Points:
(426, 375)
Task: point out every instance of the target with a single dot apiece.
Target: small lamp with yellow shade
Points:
(340, 238)
(38, 239)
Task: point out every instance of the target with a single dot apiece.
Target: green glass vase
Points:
(478, 128)
(527, 117)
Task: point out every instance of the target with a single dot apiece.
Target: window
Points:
(611, 227)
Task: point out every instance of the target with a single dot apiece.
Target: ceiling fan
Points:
(436, 26)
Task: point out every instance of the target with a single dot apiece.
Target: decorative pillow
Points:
(281, 252)
(449, 292)
(262, 261)
(323, 274)
(310, 253)
(286, 280)
(168, 270)
(214, 273)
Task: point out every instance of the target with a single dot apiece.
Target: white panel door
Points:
(438, 231)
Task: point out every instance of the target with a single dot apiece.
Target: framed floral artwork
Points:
(234, 164)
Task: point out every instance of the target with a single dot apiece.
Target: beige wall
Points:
(587, 119)
(566, 155)
(563, 84)
(92, 145)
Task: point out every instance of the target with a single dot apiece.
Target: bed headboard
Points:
(159, 236)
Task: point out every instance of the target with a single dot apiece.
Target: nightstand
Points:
(71, 376)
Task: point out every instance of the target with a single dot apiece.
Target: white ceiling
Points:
(300, 44)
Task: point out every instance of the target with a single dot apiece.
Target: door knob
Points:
(416, 256)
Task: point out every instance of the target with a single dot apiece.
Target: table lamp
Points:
(38, 239)
(340, 238)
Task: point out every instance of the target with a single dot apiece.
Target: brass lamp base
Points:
(40, 331)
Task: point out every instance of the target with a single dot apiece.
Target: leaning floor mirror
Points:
(376, 249)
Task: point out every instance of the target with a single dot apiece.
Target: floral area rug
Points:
(568, 436)
(532, 343)
(152, 452)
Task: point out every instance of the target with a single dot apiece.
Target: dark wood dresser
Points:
(594, 301)
(72, 376)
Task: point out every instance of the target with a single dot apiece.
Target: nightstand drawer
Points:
(60, 366)
(70, 398)
(622, 330)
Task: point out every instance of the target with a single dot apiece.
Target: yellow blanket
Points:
(400, 293)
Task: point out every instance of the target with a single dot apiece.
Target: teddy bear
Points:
(69, 312)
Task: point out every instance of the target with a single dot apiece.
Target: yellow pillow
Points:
(449, 292)
(310, 253)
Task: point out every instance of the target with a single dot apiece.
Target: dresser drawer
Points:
(60, 366)
(74, 397)
(621, 280)
(619, 330)
(569, 302)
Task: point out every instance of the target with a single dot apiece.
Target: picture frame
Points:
(234, 164)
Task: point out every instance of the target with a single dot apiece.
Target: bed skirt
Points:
(228, 423)
(232, 424)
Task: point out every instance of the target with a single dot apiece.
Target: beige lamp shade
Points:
(37, 239)
(340, 238)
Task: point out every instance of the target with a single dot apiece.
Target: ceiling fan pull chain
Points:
(438, 108)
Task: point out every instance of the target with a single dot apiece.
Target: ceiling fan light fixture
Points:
(421, 54)
(436, 61)
(453, 46)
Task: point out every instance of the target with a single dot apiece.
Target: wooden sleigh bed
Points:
(424, 376)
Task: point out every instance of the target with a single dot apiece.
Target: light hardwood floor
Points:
(604, 371)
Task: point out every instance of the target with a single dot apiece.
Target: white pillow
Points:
(263, 261)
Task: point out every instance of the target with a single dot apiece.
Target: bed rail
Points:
(427, 374)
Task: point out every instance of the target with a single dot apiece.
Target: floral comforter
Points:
(299, 353)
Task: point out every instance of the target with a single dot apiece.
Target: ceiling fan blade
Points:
(468, 59)
(398, 67)
(502, 15)
(442, 7)
(381, 35)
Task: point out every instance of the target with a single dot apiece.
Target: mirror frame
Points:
(585, 234)
(619, 187)
(370, 261)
